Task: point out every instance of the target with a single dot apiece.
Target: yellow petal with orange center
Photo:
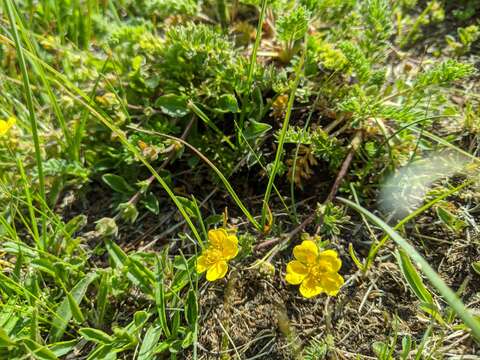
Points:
(329, 261)
(310, 287)
(217, 271)
(296, 272)
(331, 283)
(306, 252)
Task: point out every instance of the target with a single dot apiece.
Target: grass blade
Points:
(281, 140)
(31, 110)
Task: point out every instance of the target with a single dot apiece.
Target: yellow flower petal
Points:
(310, 287)
(306, 252)
(229, 247)
(216, 237)
(203, 263)
(329, 261)
(233, 238)
(217, 271)
(5, 125)
(331, 283)
(296, 272)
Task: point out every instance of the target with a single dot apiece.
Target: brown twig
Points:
(355, 144)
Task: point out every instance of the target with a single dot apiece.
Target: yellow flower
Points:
(6, 125)
(315, 271)
(221, 248)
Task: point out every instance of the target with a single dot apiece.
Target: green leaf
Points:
(75, 309)
(137, 272)
(5, 340)
(188, 205)
(45, 266)
(293, 25)
(160, 300)
(256, 130)
(413, 279)
(191, 307)
(213, 220)
(188, 340)
(95, 335)
(380, 349)
(102, 352)
(118, 184)
(227, 103)
(150, 202)
(63, 347)
(450, 220)
(150, 340)
(476, 267)
(173, 105)
(140, 317)
(406, 347)
(175, 346)
(64, 312)
(75, 224)
(39, 352)
(354, 257)
(102, 297)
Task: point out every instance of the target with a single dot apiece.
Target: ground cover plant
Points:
(254, 179)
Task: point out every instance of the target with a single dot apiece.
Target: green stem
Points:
(31, 109)
(294, 163)
(281, 140)
(253, 59)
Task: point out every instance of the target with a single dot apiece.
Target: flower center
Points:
(212, 255)
(319, 269)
